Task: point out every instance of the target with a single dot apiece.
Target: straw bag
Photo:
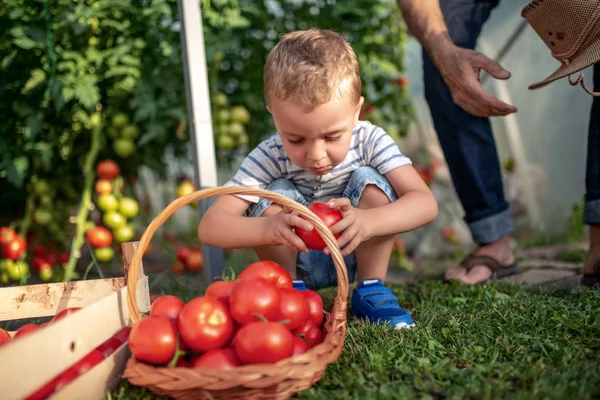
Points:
(257, 381)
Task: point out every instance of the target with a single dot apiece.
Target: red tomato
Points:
(6, 235)
(4, 336)
(39, 251)
(315, 303)
(269, 271)
(329, 216)
(109, 347)
(39, 263)
(220, 290)
(194, 261)
(218, 358)
(63, 257)
(88, 362)
(153, 340)
(263, 342)
(183, 253)
(294, 308)
(107, 169)
(205, 324)
(182, 363)
(26, 330)
(168, 306)
(15, 248)
(254, 296)
(64, 313)
(311, 332)
(99, 237)
(300, 345)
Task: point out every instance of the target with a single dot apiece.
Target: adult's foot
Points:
(500, 250)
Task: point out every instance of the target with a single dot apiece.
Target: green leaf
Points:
(25, 43)
(153, 131)
(86, 90)
(37, 77)
(45, 150)
(16, 172)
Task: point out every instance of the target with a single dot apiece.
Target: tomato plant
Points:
(329, 216)
(225, 359)
(205, 324)
(263, 342)
(167, 306)
(153, 340)
(254, 296)
(268, 270)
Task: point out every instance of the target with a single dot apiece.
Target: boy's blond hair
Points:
(311, 67)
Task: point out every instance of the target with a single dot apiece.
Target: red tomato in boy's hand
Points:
(269, 271)
(205, 324)
(254, 296)
(167, 305)
(329, 216)
(218, 358)
(263, 342)
(153, 340)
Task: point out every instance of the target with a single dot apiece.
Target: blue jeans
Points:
(316, 268)
(591, 212)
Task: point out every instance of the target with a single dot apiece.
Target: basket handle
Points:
(341, 300)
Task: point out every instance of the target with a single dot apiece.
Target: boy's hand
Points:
(353, 224)
(280, 230)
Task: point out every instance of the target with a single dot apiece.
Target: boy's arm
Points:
(416, 206)
(223, 225)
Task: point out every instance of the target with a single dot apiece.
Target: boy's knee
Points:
(372, 196)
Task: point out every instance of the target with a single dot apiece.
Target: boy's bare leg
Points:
(373, 256)
(282, 255)
(593, 256)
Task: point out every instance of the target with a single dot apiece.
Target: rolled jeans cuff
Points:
(591, 212)
(493, 227)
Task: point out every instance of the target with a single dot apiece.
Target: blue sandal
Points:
(375, 302)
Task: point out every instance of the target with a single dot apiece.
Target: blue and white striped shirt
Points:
(370, 146)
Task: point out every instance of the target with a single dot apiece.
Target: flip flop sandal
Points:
(591, 279)
(498, 270)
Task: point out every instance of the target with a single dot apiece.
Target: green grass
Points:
(493, 341)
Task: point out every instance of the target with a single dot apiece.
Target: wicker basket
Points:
(258, 381)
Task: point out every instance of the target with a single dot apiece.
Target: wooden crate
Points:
(28, 363)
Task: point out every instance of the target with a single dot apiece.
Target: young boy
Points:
(323, 153)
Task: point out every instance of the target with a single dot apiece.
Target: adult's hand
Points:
(461, 69)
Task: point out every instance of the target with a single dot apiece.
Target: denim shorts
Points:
(316, 268)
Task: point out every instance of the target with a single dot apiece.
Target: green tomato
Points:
(4, 277)
(108, 202)
(113, 219)
(42, 216)
(128, 207)
(41, 187)
(104, 254)
(236, 129)
(4, 264)
(120, 120)
(124, 233)
(46, 200)
(226, 142)
(243, 140)
(240, 114)
(123, 147)
(223, 116)
(130, 132)
(221, 99)
(16, 270)
(46, 274)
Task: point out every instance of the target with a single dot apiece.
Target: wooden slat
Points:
(95, 382)
(43, 300)
(60, 345)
